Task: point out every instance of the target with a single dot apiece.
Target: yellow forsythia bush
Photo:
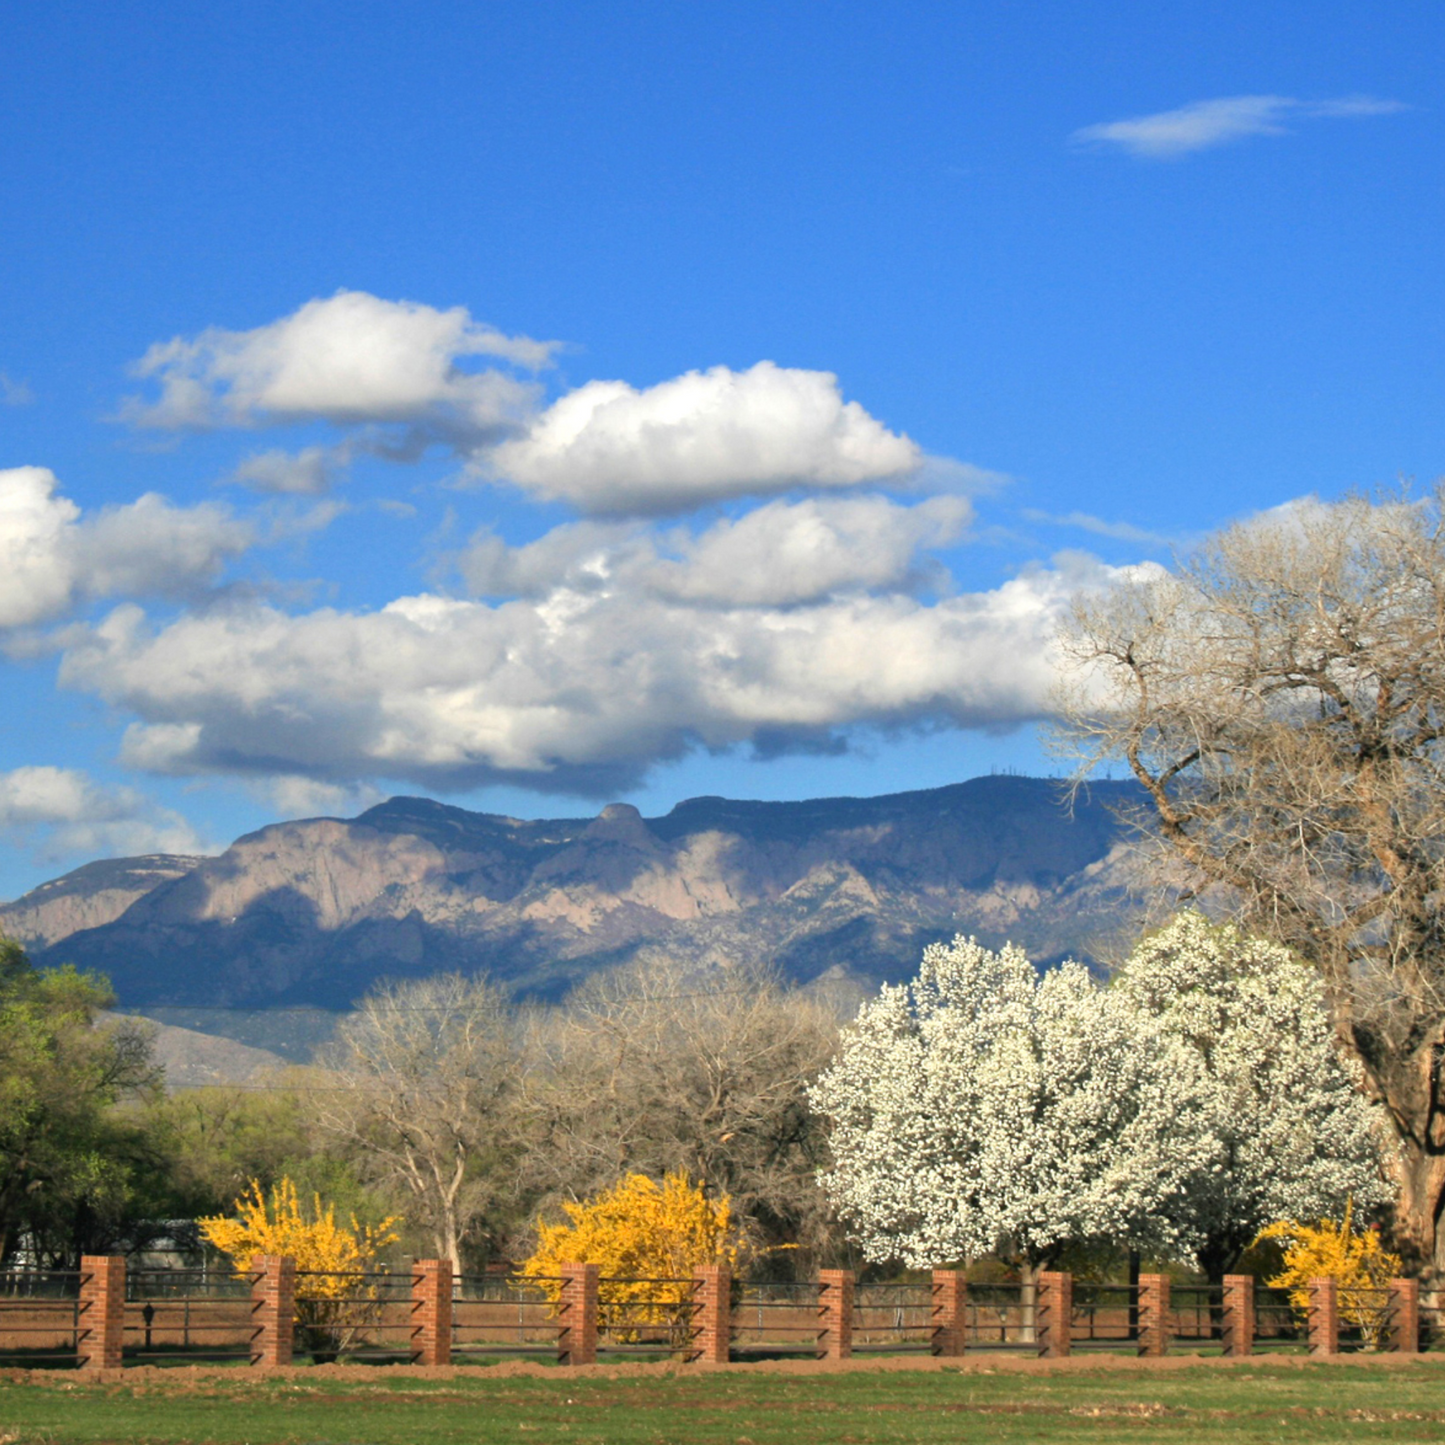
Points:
(1359, 1261)
(646, 1238)
(332, 1304)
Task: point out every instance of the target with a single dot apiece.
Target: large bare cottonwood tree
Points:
(1280, 698)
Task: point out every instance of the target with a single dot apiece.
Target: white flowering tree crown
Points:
(1292, 1136)
(988, 1108)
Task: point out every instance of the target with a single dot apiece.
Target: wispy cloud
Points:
(1203, 124)
(13, 392)
(1119, 531)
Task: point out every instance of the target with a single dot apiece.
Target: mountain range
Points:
(305, 916)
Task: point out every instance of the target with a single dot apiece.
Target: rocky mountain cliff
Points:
(312, 913)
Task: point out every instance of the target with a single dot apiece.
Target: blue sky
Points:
(538, 404)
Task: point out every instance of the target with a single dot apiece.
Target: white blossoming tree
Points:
(1287, 1133)
(986, 1108)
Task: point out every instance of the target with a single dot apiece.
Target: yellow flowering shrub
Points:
(1359, 1261)
(332, 1304)
(646, 1238)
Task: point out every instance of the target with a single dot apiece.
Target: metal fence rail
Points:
(504, 1314)
(1000, 1317)
(1104, 1314)
(39, 1316)
(103, 1314)
(776, 1319)
(196, 1315)
(893, 1318)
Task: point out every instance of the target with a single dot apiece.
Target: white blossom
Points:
(987, 1108)
(1293, 1136)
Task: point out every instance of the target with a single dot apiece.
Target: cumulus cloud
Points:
(1204, 124)
(780, 554)
(51, 557)
(61, 812)
(350, 359)
(702, 437)
(390, 373)
(578, 691)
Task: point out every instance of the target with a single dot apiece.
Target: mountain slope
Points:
(314, 912)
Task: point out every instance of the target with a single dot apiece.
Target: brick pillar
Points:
(1054, 1312)
(577, 1315)
(1324, 1316)
(712, 1294)
(950, 1308)
(1237, 1326)
(431, 1312)
(1402, 1316)
(1154, 1314)
(102, 1312)
(835, 1313)
(273, 1310)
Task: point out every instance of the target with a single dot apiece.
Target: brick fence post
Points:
(1153, 1314)
(1402, 1317)
(712, 1294)
(1053, 1313)
(950, 1309)
(273, 1311)
(1237, 1326)
(835, 1313)
(1324, 1316)
(431, 1312)
(101, 1332)
(577, 1315)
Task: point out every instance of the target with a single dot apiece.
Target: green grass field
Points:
(1277, 1401)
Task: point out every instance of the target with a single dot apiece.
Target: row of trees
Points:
(984, 1108)
(440, 1101)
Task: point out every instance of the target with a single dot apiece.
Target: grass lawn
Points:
(1093, 1402)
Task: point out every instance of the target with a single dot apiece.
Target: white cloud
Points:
(780, 554)
(390, 373)
(302, 797)
(51, 557)
(351, 359)
(1100, 527)
(1204, 124)
(577, 690)
(36, 536)
(62, 812)
(702, 437)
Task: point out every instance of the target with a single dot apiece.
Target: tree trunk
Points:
(1410, 1087)
(447, 1239)
(1029, 1302)
(1417, 1216)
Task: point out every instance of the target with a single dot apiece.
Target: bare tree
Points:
(658, 1067)
(1280, 698)
(421, 1084)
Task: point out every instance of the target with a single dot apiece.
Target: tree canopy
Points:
(73, 1170)
(985, 1108)
(1286, 1132)
(1280, 698)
